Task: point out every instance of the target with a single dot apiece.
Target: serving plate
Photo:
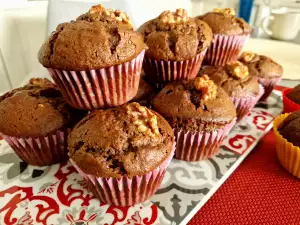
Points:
(57, 194)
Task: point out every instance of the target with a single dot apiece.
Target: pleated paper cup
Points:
(268, 85)
(289, 105)
(102, 88)
(287, 153)
(41, 151)
(161, 72)
(225, 49)
(126, 191)
(196, 146)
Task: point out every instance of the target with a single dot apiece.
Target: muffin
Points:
(123, 151)
(235, 79)
(96, 60)
(145, 93)
(291, 99)
(176, 46)
(268, 72)
(229, 36)
(200, 113)
(287, 134)
(35, 121)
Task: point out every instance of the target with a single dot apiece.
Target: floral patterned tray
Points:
(57, 194)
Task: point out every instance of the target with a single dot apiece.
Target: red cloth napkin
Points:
(260, 191)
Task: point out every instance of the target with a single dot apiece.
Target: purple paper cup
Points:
(102, 88)
(41, 151)
(126, 191)
(196, 146)
(268, 85)
(161, 72)
(225, 49)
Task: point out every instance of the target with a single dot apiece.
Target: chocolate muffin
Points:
(229, 36)
(267, 71)
(174, 38)
(35, 119)
(294, 94)
(145, 93)
(197, 110)
(89, 58)
(290, 128)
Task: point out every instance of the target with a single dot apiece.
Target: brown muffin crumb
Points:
(290, 128)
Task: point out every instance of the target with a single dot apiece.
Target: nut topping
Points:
(206, 86)
(225, 11)
(144, 119)
(248, 57)
(238, 70)
(168, 17)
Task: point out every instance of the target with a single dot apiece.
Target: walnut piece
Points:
(168, 17)
(41, 82)
(206, 86)
(118, 15)
(238, 70)
(225, 11)
(248, 57)
(144, 119)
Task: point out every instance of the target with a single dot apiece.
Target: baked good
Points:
(88, 59)
(124, 143)
(35, 119)
(287, 135)
(229, 36)
(267, 71)
(291, 99)
(176, 46)
(145, 93)
(238, 83)
(196, 109)
(294, 95)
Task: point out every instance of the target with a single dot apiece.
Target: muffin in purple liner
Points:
(238, 83)
(267, 71)
(176, 46)
(200, 113)
(35, 120)
(95, 60)
(229, 36)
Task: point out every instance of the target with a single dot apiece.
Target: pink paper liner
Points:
(126, 191)
(162, 72)
(225, 49)
(268, 85)
(288, 105)
(196, 146)
(41, 151)
(244, 105)
(102, 88)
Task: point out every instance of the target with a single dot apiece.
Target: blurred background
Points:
(24, 24)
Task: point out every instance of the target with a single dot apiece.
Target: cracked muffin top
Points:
(223, 21)
(128, 140)
(261, 66)
(175, 36)
(290, 128)
(294, 95)
(98, 39)
(35, 110)
(234, 78)
(195, 105)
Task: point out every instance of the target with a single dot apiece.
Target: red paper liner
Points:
(161, 72)
(196, 146)
(268, 85)
(41, 151)
(224, 49)
(102, 88)
(289, 105)
(126, 191)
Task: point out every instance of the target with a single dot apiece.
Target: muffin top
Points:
(290, 128)
(234, 78)
(294, 95)
(144, 92)
(36, 109)
(175, 36)
(261, 66)
(223, 21)
(198, 99)
(129, 140)
(98, 39)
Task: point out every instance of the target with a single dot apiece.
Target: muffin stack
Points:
(121, 148)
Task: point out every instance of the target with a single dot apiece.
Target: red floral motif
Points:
(135, 219)
(154, 216)
(49, 189)
(119, 213)
(81, 218)
(261, 119)
(26, 219)
(20, 194)
(240, 143)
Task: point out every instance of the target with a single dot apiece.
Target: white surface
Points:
(285, 53)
